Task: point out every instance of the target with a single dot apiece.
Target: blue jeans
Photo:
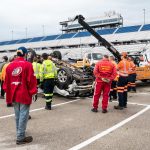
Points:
(22, 115)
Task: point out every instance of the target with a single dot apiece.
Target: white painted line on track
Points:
(140, 104)
(142, 93)
(56, 105)
(109, 130)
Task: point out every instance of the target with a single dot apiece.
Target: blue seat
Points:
(66, 36)
(51, 37)
(4, 43)
(23, 41)
(36, 39)
(145, 27)
(82, 34)
(106, 31)
(128, 29)
(12, 42)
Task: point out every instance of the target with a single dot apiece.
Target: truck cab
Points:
(89, 59)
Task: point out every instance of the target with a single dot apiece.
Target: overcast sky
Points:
(20, 16)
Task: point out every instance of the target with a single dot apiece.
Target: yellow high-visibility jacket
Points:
(36, 68)
(3, 74)
(48, 70)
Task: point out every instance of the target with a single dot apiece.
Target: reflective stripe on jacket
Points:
(123, 68)
(132, 67)
(48, 70)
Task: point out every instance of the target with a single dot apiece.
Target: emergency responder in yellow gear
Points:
(36, 68)
(5, 61)
(48, 73)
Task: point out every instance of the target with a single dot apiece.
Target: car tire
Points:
(57, 54)
(64, 78)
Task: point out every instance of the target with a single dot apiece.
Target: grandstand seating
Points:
(23, 41)
(128, 29)
(82, 34)
(36, 39)
(146, 27)
(3, 43)
(51, 37)
(66, 36)
(106, 31)
(12, 42)
(128, 33)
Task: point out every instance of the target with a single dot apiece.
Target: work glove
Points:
(105, 80)
(34, 97)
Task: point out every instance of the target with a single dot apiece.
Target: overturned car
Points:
(71, 81)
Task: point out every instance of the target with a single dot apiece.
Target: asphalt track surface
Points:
(70, 125)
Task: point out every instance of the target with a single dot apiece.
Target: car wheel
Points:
(64, 78)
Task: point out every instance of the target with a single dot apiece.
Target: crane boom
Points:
(103, 41)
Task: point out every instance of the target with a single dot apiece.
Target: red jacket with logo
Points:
(105, 69)
(20, 82)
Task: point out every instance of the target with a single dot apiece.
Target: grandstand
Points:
(126, 38)
(109, 20)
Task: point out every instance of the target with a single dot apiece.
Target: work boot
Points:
(110, 99)
(104, 111)
(118, 107)
(29, 117)
(94, 110)
(48, 106)
(27, 139)
(115, 98)
(9, 105)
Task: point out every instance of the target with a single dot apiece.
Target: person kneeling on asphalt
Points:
(105, 72)
(20, 85)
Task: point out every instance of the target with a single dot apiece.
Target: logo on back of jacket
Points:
(17, 71)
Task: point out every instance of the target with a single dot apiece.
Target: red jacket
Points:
(20, 82)
(105, 69)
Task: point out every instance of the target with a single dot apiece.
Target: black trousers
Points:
(113, 90)
(48, 89)
(2, 91)
(131, 82)
(122, 90)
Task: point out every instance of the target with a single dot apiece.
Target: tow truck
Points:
(143, 65)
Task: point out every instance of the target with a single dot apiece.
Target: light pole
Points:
(12, 34)
(43, 29)
(144, 14)
(26, 32)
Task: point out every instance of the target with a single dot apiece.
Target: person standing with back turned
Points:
(48, 73)
(20, 85)
(123, 71)
(105, 72)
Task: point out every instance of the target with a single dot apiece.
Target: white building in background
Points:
(76, 40)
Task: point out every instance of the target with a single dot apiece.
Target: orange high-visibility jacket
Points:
(4, 72)
(123, 67)
(132, 68)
